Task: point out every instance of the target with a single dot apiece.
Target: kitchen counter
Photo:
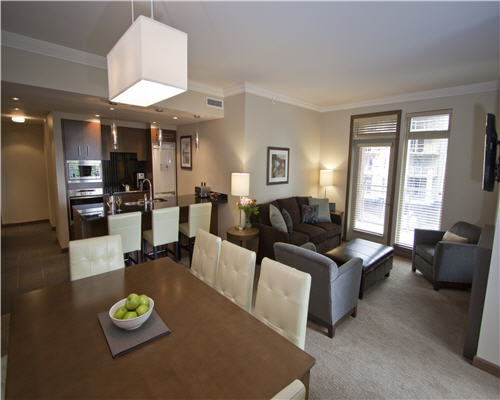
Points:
(90, 220)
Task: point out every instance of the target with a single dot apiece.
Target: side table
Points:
(242, 237)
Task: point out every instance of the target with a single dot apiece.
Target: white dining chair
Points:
(206, 256)
(165, 230)
(282, 300)
(294, 391)
(199, 218)
(235, 274)
(128, 226)
(88, 257)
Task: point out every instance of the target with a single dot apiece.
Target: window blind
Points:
(421, 193)
(379, 125)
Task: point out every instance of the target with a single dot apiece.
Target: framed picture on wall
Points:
(278, 165)
(186, 152)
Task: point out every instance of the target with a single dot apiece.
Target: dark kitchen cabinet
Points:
(129, 140)
(81, 139)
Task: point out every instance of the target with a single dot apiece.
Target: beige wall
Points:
(281, 125)
(463, 197)
(24, 189)
(220, 153)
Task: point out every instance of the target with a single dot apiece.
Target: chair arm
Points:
(353, 264)
(454, 262)
(427, 236)
(336, 219)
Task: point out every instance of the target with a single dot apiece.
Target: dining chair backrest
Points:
(235, 274)
(282, 300)
(294, 391)
(206, 256)
(88, 257)
(165, 225)
(128, 226)
(199, 218)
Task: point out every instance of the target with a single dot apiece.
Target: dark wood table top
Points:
(216, 350)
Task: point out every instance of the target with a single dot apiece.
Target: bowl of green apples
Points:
(130, 313)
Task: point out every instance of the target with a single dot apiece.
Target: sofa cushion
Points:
(426, 251)
(298, 238)
(451, 237)
(466, 230)
(331, 228)
(310, 214)
(314, 232)
(276, 218)
(292, 207)
(263, 216)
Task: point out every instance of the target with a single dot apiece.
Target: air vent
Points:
(216, 103)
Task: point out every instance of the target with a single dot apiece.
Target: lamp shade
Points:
(240, 184)
(148, 64)
(326, 177)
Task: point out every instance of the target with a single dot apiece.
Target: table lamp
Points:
(326, 178)
(240, 186)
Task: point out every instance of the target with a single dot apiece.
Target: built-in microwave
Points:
(80, 171)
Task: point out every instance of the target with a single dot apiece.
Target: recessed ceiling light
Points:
(159, 109)
(111, 108)
(16, 108)
(20, 119)
(15, 98)
(174, 117)
(97, 115)
(196, 116)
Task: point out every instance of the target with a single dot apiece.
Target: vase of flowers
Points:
(249, 207)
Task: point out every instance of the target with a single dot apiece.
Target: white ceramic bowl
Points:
(130, 324)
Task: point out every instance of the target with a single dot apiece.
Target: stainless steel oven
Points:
(82, 171)
(83, 196)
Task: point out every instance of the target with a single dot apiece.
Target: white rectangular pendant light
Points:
(148, 64)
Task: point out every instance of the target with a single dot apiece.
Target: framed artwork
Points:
(278, 165)
(186, 152)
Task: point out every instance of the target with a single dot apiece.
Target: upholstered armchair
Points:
(446, 263)
(334, 290)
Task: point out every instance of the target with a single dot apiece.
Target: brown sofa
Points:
(324, 235)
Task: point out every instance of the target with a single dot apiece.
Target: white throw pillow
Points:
(323, 209)
(452, 237)
(277, 220)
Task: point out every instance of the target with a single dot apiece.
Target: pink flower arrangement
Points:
(249, 206)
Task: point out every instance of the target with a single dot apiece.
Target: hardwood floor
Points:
(31, 259)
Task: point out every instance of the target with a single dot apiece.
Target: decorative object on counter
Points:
(326, 178)
(118, 201)
(204, 190)
(278, 165)
(186, 152)
(240, 186)
(145, 83)
(111, 204)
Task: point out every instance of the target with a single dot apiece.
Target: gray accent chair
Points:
(446, 264)
(334, 290)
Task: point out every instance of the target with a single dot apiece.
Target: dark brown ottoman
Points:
(377, 260)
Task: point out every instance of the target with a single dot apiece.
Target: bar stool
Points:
(199, 218)
(165, 230)
(128, 226)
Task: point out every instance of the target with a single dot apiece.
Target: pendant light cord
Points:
(132, 11)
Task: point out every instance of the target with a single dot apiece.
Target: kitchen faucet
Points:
(150, 189)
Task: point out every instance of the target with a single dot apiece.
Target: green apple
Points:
(132, 301)
(143, 299)
(120, 312)
(142, 309)
(130, 315)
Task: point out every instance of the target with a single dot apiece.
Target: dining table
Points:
(215, 350)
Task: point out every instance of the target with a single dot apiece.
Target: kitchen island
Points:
(90, 220)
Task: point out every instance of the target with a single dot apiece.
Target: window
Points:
(421, 193)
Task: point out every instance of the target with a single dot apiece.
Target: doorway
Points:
(373, 151)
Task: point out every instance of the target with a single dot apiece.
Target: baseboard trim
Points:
(487, 366)
(25, 223)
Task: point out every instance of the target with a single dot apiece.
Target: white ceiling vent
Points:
(216, 103)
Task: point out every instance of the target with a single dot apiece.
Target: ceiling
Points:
(35, 102)
(324, 53)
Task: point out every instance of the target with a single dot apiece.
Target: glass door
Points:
(372, 161)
